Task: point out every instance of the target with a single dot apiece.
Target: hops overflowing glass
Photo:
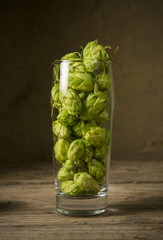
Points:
(82, 112)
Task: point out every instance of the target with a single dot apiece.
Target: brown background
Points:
(34, 33)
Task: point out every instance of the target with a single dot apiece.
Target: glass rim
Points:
(80, 60)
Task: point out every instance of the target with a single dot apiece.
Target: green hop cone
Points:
(96, 136)
(103, 80)
(102, 117)
(96, 169)
(100, 152)
(75, 62)
(77, 67)
(80, 81)
(71, 188)
(65, 118)
(86, 183)
(71, 56)
(93, 50)
(67, 171)
(92, 66)
(76, 149)
(71, 102)
(94, 104)
(96, 52)
(80, 128)
(61, 148)
(87, 156)
(55, 96)
(60, 130)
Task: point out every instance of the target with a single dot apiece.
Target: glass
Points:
(82, 106)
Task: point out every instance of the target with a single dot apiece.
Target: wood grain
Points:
(27, 205)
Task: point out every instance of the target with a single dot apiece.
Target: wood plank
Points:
(135, 208)
(122, 171)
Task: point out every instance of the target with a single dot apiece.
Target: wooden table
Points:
(27, 205)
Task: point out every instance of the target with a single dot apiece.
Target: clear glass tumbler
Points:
(82, 104)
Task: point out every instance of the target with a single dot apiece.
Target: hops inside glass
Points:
(82, 114)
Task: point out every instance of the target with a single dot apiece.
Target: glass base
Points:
(81, 206)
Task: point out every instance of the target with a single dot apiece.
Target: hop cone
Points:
(71, 188)
(67, 171)
(76, 149)
(66, 118)
(86, 183)
(80, 128)
(71, 56)
(77, 67)
(60, 130)
(93, 55)
(61, 148)
(96, 136)
(103, 80)
(80, 81)
(94, 104)
(71, 102)
(96, 169)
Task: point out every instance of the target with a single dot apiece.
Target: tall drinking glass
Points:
(82, 106)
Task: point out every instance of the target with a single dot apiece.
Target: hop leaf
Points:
(86, 183)
(96, 136)
(70, 188)
(71, 102)
(96, 169)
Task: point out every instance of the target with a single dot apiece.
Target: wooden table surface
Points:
(27, 205)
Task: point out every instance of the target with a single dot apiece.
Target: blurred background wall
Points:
(34, 33)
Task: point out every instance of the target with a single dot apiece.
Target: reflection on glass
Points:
(64, 76)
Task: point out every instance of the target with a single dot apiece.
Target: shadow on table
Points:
(138, 206)
(11, 205)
